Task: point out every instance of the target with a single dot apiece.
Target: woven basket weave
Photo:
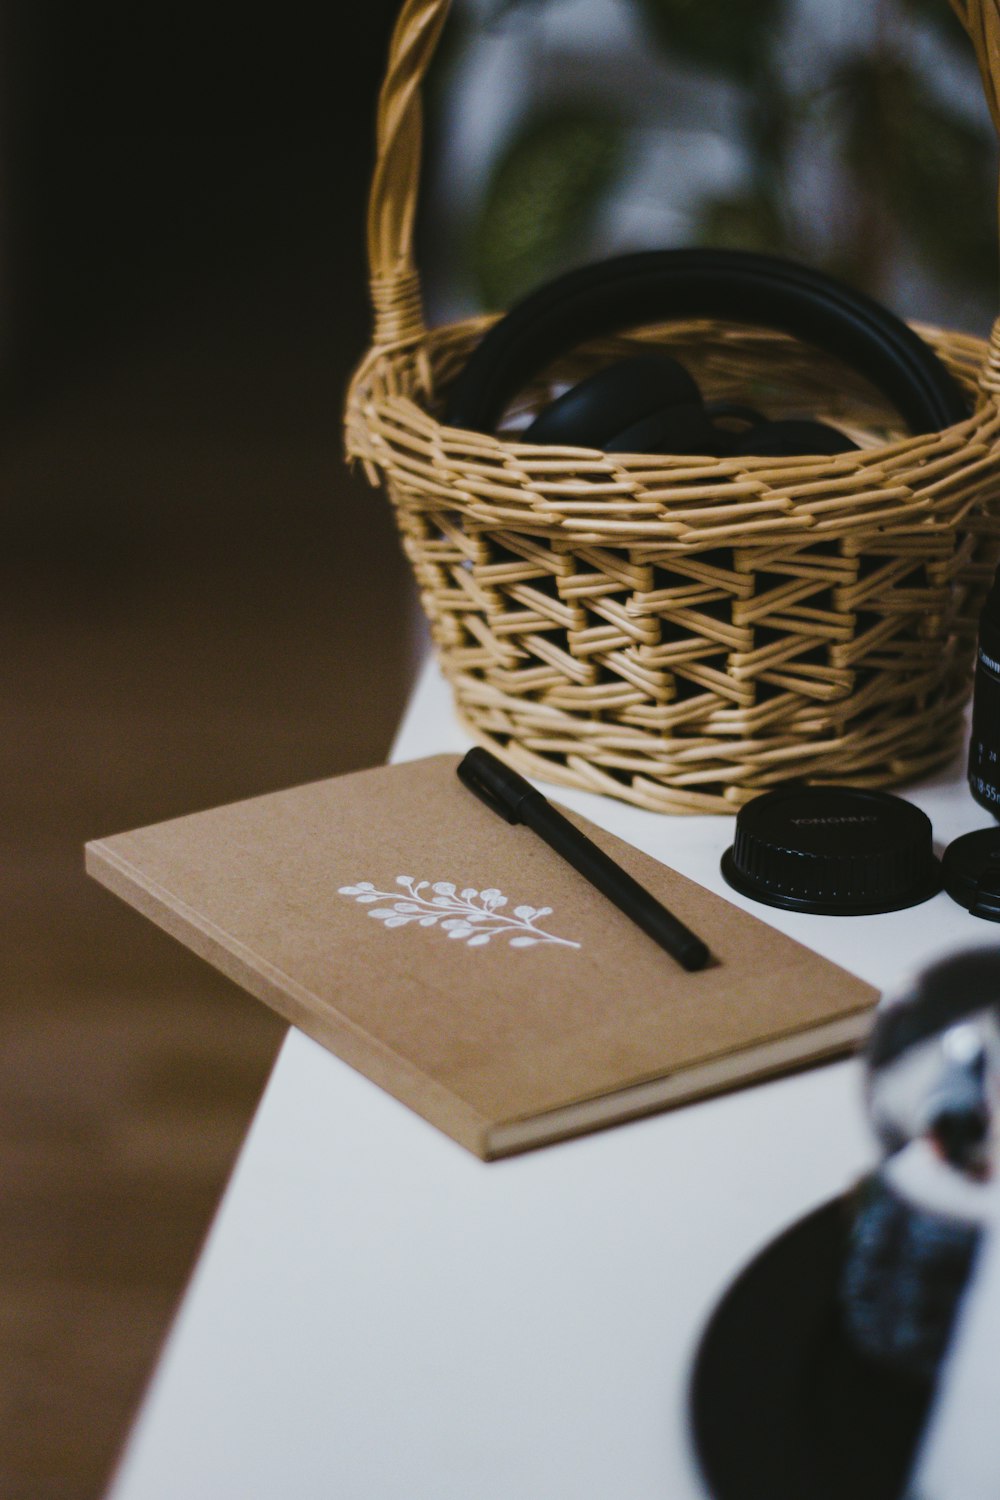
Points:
(681, 632)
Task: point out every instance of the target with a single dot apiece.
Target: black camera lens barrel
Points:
(984, 748)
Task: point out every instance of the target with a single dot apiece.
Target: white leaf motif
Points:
(474, 917)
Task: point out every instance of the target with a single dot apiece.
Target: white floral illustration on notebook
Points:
(469, 915)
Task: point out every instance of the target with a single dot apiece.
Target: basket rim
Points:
(600, 499)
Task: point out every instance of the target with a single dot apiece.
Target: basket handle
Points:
(981, 19)
(392, 206)
(395, 281)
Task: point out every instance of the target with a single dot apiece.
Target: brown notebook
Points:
(463, 966)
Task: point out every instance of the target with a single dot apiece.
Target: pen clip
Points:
(494, 783)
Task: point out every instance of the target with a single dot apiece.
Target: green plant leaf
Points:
(744, 221)
(542, 198)
(731, 37)
(932, 169)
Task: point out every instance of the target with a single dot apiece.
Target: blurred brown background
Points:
(198, 605)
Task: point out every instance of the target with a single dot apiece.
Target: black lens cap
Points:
(833, 850)
(971, 872)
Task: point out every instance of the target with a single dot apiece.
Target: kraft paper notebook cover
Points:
(463, 966)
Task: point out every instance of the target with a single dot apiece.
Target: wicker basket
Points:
(681, 632)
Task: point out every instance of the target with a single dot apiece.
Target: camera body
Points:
(984, 749)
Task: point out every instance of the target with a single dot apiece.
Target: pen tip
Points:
(694, 956)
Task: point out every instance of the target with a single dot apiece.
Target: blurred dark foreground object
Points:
(817, 1370)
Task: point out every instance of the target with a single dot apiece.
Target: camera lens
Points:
(984, 751)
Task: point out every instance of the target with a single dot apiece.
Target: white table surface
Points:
(378, 1315)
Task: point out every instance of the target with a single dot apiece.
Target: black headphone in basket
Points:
(651, 404)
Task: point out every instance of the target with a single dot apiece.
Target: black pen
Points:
(515, 799)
